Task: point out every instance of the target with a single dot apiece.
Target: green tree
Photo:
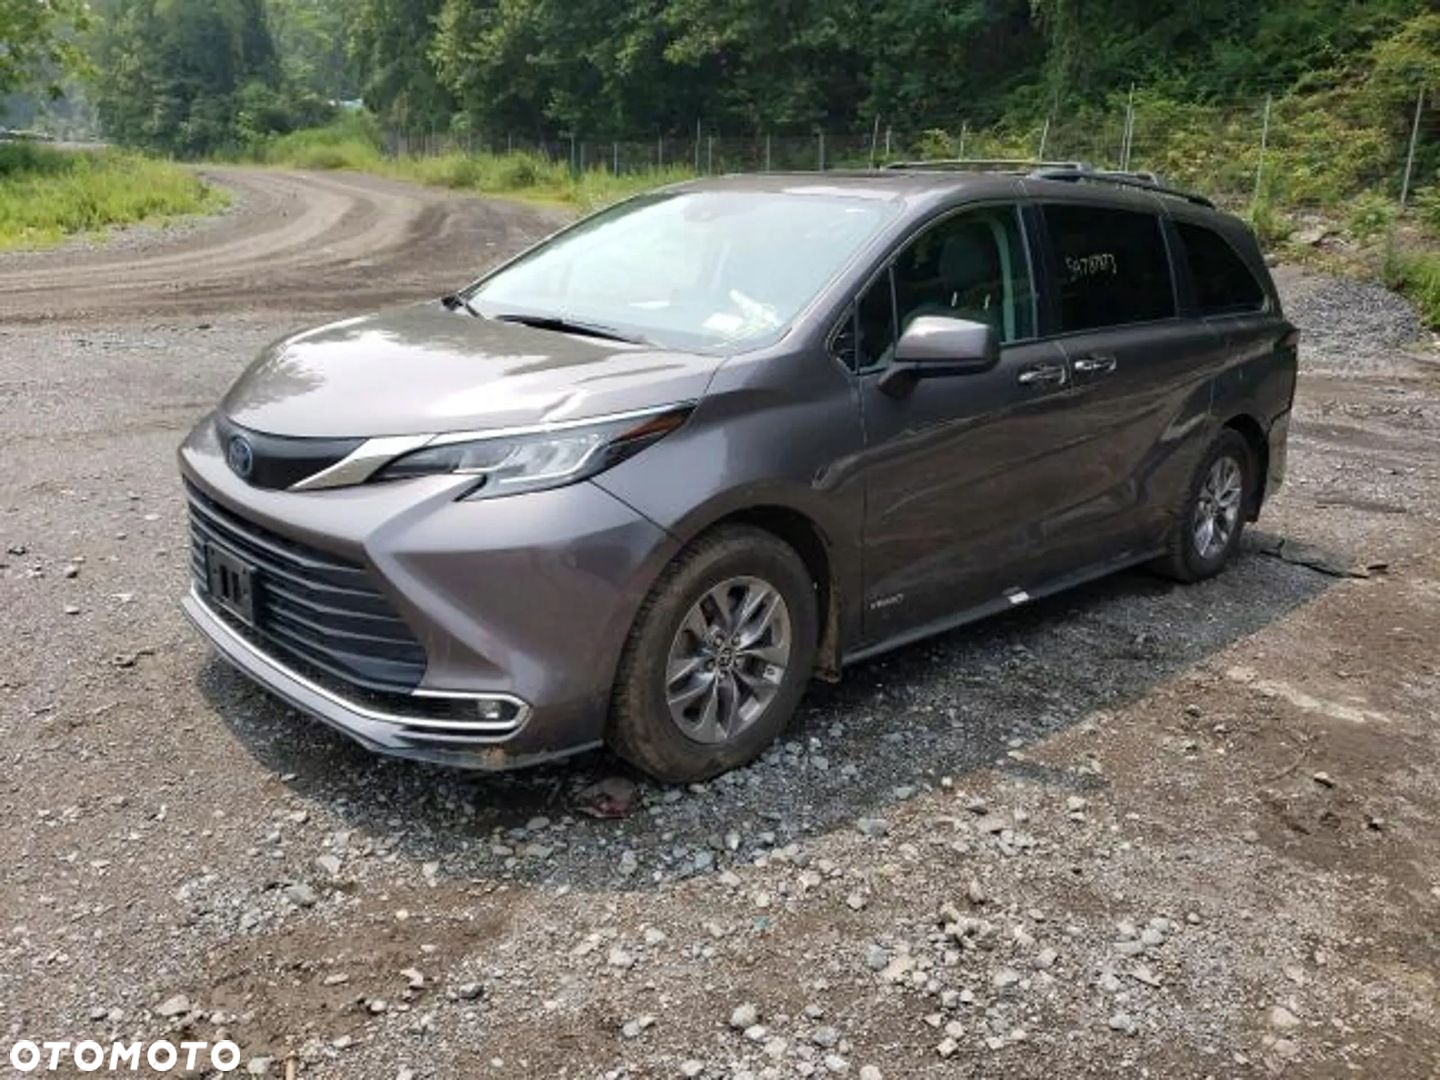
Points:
(390, 44)
(37, 42)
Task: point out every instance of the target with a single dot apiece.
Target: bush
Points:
(1371, 216)
(351, 142)
(1426, 202)
(1416, 274)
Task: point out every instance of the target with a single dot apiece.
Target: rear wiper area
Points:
(567, 326)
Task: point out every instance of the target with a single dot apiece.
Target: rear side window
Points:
(1224, 285)
(1111, 266)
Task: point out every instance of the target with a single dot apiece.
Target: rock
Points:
(947, 1047)
(178, 1005)
(1282, 1019)
(834, 1063)
(1324, 779)
(825, 1037)
(1124, 1023)
(329, 863)
(413, 979)
(974, 893)
(613, 797)
(870, 1072)
(692, 1068)
(992, 823)
(619, 958)
(855, 902)
(1005, 978)
(469, 991)
(1151, 938)
(1045, 958)
(258, 1066)
(876, 957)
(873, 828)
(377, 1006)
(744, 1016)
(300, 894)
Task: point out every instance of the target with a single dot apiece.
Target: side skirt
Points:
(1004, 602)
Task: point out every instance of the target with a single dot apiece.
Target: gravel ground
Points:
(1136, 830)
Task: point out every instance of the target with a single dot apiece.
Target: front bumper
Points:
(525, 600)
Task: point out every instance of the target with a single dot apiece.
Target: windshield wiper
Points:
(455, 300)
(568, 326)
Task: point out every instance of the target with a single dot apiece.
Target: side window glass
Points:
(1111, 266)
(971, 266)
(1224, 285)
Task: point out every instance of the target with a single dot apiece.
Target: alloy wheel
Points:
(728, 659)
(1217, 507)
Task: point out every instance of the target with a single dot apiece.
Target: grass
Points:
(354, 143)
(1415, 273)
(47, 194)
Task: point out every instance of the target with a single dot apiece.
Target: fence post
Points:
(821, 136)
(697, 145)
(615, 158)
(889, 130)
(874, 139)
(1410, 156)
(964, 130)
(1044, 138)
(660, 151)
(767, 151)
(1128, 139)
(1264, 142)
(709, 154)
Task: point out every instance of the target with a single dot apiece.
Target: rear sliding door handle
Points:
(1097, 364)
(1043, 375)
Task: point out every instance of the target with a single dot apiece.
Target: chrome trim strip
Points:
(361, 463)
(477, 727)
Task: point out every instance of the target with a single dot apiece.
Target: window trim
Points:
(1016, 203)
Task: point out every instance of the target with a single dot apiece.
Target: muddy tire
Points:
(1207, 526)
(718, 658)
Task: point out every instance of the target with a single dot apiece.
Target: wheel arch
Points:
(1255, 438)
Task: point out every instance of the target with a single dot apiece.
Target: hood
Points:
(427, 369)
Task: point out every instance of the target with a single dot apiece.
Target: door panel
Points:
(958, 473)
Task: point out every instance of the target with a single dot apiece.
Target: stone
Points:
(178, 1005)
(744, 1016)
(1282, 1019)
(300, 894)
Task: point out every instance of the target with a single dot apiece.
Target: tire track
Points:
(298, 241)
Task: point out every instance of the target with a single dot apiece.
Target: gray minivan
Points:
(641, 483)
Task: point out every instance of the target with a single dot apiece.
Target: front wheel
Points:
(1207, 528)
(718, 659)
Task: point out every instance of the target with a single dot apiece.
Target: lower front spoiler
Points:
(407, 737)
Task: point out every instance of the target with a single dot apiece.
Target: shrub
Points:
(1416, 274)
(1370, 216)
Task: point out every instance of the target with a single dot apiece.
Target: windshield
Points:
(689, 270)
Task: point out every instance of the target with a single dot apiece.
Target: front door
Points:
(959, 469)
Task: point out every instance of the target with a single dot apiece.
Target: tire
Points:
(1185, 559)
(730, 566)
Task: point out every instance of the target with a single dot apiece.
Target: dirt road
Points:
(1139, 830)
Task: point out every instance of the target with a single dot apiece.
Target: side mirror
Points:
(936, 346)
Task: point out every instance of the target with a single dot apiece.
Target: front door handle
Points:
(1043, 375)
(1096, 364)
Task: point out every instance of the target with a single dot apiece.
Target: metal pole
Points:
(615, 158)
(1044, 138)
(874, 139)
(1410, 157)
(660, 151)
(697, 144)
(964, 130)
(888, 132)
(1129, 137)
(821, 136)
(710, 154)
(1264, 142)
(767, 151)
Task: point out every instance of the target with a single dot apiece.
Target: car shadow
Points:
(953, 704)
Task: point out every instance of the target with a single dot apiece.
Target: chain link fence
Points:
(1299, 151)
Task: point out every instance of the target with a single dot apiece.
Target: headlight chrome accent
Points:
(506, 461)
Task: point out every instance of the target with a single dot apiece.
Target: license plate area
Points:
(231, 582)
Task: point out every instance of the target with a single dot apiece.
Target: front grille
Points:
(309, 605)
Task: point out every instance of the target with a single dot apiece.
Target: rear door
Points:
(1140, 395)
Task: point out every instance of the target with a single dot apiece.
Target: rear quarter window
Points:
(1224, 284)
(1111, 266)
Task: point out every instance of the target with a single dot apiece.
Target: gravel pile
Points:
(1349, 325)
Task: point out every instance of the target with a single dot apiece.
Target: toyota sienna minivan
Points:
(643, 482)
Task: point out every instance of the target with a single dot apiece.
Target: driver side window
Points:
(972, 265)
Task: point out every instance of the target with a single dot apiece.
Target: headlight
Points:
(535, 460)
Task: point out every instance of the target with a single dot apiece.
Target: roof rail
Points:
(988, 164)
(1144, 181)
